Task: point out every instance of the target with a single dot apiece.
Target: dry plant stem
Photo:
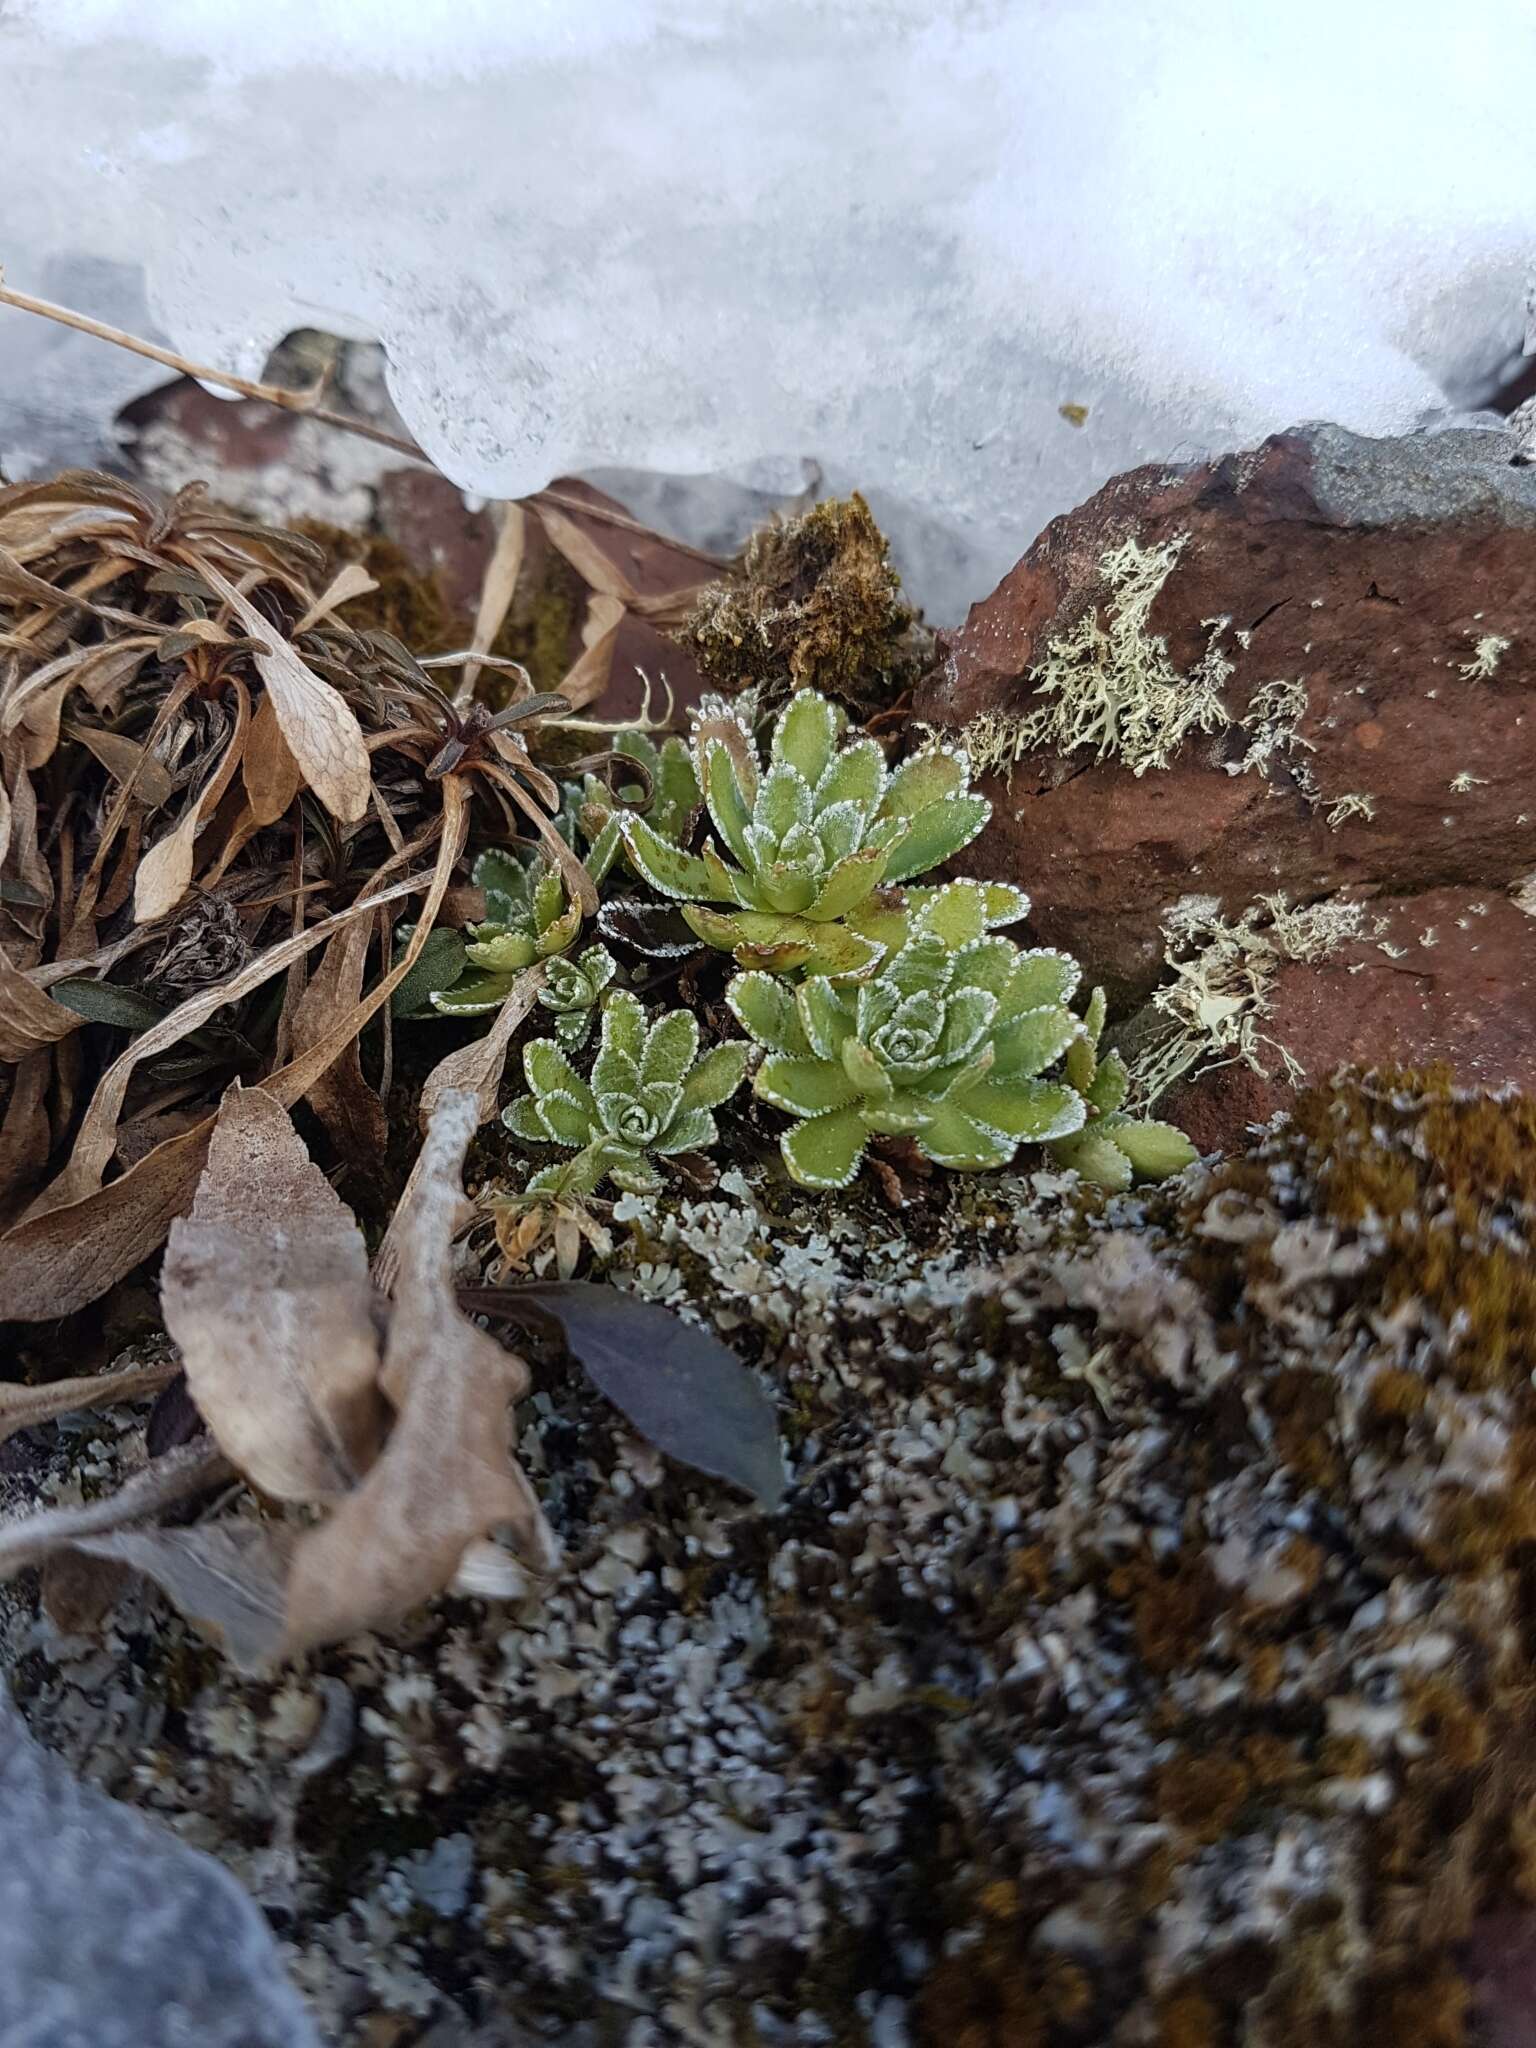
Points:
(24, 1407)
(290, 401)
(497, 590)
(304, 402)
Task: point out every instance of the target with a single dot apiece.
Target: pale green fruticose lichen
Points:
(1485, 658)
(1354, 804)
(1223, 975)
(1109, 682)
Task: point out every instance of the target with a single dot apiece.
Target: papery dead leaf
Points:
(165, 872)
(28, 1018)
(197, 1468)
(265, 1289)
(25, 1407)
(349, 1109)
(24, 1132)
(226, 1577)
(497, 588)
(126, 760)
(595, 568)
(79, 1237)
(350, 581)
(317, 722)
(587, 677)
(475, 1069)
(447, 1475)
(272, 776)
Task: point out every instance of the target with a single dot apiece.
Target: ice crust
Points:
(895, 236)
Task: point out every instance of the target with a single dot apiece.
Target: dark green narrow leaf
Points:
(102, 1002)
(678, 1384)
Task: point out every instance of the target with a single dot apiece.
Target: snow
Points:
(892, 236)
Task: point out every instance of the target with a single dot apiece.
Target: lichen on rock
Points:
(1139, 1654)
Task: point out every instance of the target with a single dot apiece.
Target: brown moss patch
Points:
(816, 605)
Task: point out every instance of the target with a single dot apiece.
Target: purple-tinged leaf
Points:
(679, 1385)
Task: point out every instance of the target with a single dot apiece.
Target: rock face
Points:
(115, 1935)
(1449, 975)
(1393, 581)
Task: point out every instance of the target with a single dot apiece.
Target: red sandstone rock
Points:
(1467, 996)
(1365, 570)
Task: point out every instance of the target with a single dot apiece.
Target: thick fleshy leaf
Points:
(506, 953)
(764, 1006)
(671, 1047)
(806, 734)
(678, 1384)
(474, 994)
(826, 1016)
(1155, 1150)
(716, 1077)
(825, 1151)
(968, 1013)
(691, 1130)
(1094, 1016)
(566, 1118)
(952, 1138)
(1110, 1085)
(783, 801)
(924, 962)
(956, 911)
(848, 884)
(624, 1031)
(924, 779)
(855, 775)
(548, 898)
(805, 1087)
(521, 1117)
(549, 1072)
(728, 884)
(1043, 976)
(776, 944)
(937, 834)
(563, 933)
(1027, 1044)
(1034, 1111)
(787, 886)
(728, 808)
(839, 831)
(991, 964)
(504, 879)
(667, 868)
(1095, 1155)
(865, 1071)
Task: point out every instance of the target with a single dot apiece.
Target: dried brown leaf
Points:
(349, 1109)
(226, 1577)
(125, 760)
(196, 1468)
(165, 872)
(447, 1476)
(28, 1018)
(497, 588)
(319, 725)
(24, 1407)
(587, 678)
(351, 581)
(79, 1237)
(266, 1291)
(595, 568)
(475, 1069)
(272, 776)
(25, 1134)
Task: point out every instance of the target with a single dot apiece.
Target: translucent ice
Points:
(978, 255)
